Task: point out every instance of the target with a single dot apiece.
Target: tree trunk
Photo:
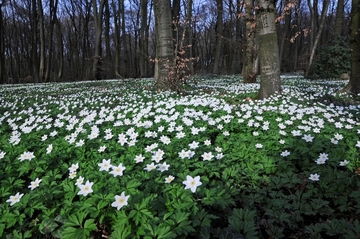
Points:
(2, 47)
(339, 18)
(97, 63)
(53, 9)
(268, 50)
(42, 41)
(117, 24)
(143, 40)
(219, 32)
(353, 87)
(250, 52)
(164, 45)
(318, 35)
(35, 62)
(61, 50)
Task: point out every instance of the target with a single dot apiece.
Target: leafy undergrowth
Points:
(117, 159)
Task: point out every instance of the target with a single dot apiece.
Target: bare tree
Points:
(53, 19)
(353, 87)
(339, 18)
(316, 38)
(2, 45)
(164, 60)
(268, 50)
(219, 36)
(97, 61)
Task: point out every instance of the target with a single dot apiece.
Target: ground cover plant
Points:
(112, 159)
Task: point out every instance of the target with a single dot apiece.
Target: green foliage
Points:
(332, 60)
(255, 184)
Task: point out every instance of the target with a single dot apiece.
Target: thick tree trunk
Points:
(117, 25)
(219, 33)
(164, 61)
(353, 87)
(268, 50)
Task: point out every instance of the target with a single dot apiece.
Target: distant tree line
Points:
(58, 40)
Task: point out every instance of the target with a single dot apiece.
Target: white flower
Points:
(208, 142)
(163, 167)
(26, 156)
(258, 146)
(2, 154)
(72, 174)
(344, 163)
(79, 181)
(35, 183)
(183, 154)
(139, 158)
(314, 177)
(157, 157)
(49, 149)
(120, 201)
(308, 138)
(169, 179)
(102, 149)
(320, 161)
(150, 167)
(117, 170)
(358, 144)
(207, 156)
(285, 153)
(85, 189)
(338, 136)
(14, 199)
(74, 167)
(219, 156)
(194, 145)
(105, 165)
(192, 183)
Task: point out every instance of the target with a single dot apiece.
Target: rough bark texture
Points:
(219, 36)
(250, 54)
(144, 41)
(98, 31)
(353, 87)
(164, 45)
(339, 18)
(268, 50)
(42, 41)
(34, 56)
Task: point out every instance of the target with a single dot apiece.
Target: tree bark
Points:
(143, 39)
(249, 71)
(339, 18)
(53, 9)
(318, 35)
(164, 60)
(353, 87)
(219, 32)
(2, 46)
(34, 57)
(268, 50)
(42, 41)
(97, 63)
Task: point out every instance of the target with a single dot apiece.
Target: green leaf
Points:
(90, 225)
(47, 226)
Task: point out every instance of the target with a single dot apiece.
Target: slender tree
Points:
(34, 43)
(164, 60)
(2, 45)
(53, 19)
(97, 61)
(41, 40)
(315, 41)
(339, 18)
(353, 87)
(268, 50)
